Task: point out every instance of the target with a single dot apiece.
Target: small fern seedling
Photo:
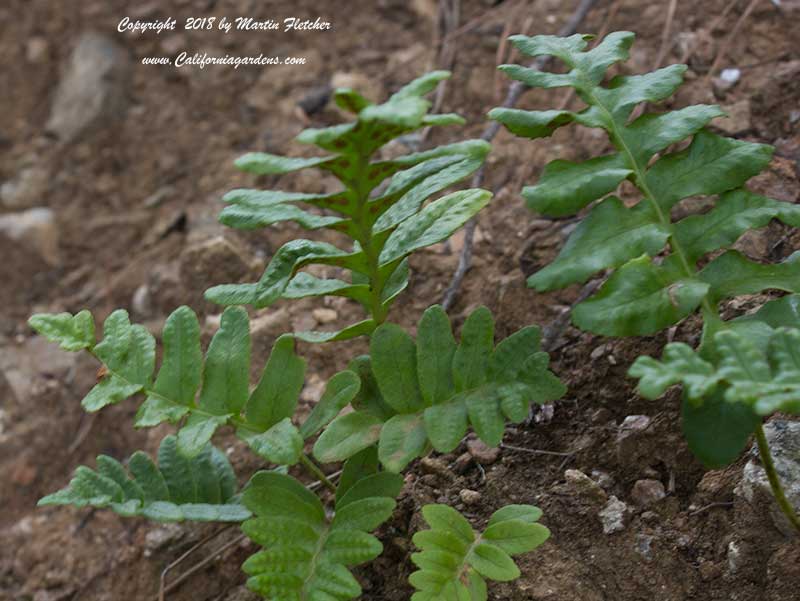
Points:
(756, 370)
(421, 395)
(262, 417)
(455, 561)
(383, 225)
(201, 489)
(642, 295)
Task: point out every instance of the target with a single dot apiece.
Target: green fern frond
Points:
(385, 225)
(262, 416)
(764, 376)
(455, 561)
(307, 553)
(642, 296)
(424, 393)
(201, 489)
(753, 372)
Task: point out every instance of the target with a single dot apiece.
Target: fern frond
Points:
(423, 393)
(262, 416)
(385, 225)
(642, 296)
(201, 489)
(456, 561)
(753, 372)
(306, 553)
(764, 376)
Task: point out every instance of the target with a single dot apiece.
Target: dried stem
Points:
(514, 92)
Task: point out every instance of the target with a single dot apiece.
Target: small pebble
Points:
(482, 453)
(324, 315)
(469, 497)
(647, 492)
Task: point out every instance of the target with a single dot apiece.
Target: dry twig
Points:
(163, 589)
(514, 92)
(729, 40)
(665, 36)
(610, 14)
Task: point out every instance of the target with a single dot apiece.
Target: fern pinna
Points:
(757, 374)
(383, 224)
(643, 295)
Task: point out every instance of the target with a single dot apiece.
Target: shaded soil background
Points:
(130, 205)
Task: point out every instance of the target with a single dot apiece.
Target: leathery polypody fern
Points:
(403, 400)
(662, 270)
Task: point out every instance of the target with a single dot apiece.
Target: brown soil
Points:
(131, 197)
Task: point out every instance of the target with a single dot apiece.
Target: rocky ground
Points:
(110, 179)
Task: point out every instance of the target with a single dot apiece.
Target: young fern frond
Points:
(455, 560)
(307, 553)
(754, 372)
(423, 394)
(643, 296)
(262, 416)
(201, 489)
(384, 225)
(764, 377)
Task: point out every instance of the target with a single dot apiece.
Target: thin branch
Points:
(729, 40)
(534, 451)
(162, 589)
(665, 36)
(514, 92)
(553, 331)
(712, 506)
(199, 566)
(447, 19)
(610, 14)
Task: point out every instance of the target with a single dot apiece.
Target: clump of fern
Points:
(404, 399)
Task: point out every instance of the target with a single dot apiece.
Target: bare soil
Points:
(137, 196)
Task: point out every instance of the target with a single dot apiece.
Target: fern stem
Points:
(774, 481)
(312, 467)
(366, 240)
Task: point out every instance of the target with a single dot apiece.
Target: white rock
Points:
(93, 88)
(584, 486)
(142, 302)
(34, 228)
(646, 492)
(730, 75)
(162, 536)
(323, 315)
(26, 190)
(783, 438)
(612, 516)
(469, 497)
(734, 556)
